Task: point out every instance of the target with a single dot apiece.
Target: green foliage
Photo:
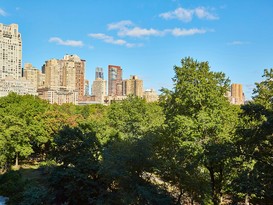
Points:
(34, 195)
(12, 185)
(134, 117)
(255, 145)
(199, 118)
(127, 166)
(18, 125)
(192, 147)
(76, 179)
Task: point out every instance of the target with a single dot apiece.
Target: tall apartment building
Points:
(34, 75)
(10, 51)
(79, 66)
(237, 95)
(99, 73)
(11, 79)
(99, 89)
(64, 80)
(132, 86)
(114, 80)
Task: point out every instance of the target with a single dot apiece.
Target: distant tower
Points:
(237, 95)
(133, 86)
(99, 89)
(11, 51)
(114, 80)
(86, 86)
(79, 66)
(99, 73)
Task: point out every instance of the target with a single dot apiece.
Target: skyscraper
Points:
(99, 73)
(99, 89)
(114, 80)
(35, 76)
(10, 51)
(237, 95)
(132, 86)
(79, 66)
(64, 80)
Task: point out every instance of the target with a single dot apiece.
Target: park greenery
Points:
(191, 147)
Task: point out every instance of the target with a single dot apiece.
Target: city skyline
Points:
(234, 37)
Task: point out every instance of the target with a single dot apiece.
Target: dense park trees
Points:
(193, 147)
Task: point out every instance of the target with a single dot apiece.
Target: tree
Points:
(76, 179)
(19, 124)
(127, 168)
(200, 118)
(255, 143)
(133, 117)
(15, 134)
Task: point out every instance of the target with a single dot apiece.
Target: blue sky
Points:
(148, 37)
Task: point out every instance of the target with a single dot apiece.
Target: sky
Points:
(148, 38)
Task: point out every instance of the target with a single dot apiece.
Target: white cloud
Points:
(111, 40)
(127, 28)
(186, 32)
(119, 25)
(139, 32)
(179, 13)
(186, 15)
(2, 12)
(234, 43)
(59, 41)
(203, 13)
(107, 39)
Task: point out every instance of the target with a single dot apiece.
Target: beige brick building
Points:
(64, 80)
(150, 95)
(132, 86)
(237, 95)
(34, 75)
(58, 96)
(99, 90)
(20, 86)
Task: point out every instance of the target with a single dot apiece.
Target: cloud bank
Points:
(72, 43)
(187, 15)
(112, 40)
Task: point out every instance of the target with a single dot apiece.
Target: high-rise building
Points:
(86, 87)
(99, 89)
(64, 80)
(54, 74)
(132, 86)
(10, 51)
(114, 80)
(99, 73)
(34, 75)
(79, 66)
(237, 95)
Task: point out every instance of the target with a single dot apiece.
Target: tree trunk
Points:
(16, 159)
(246, 199)
(215, 195)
